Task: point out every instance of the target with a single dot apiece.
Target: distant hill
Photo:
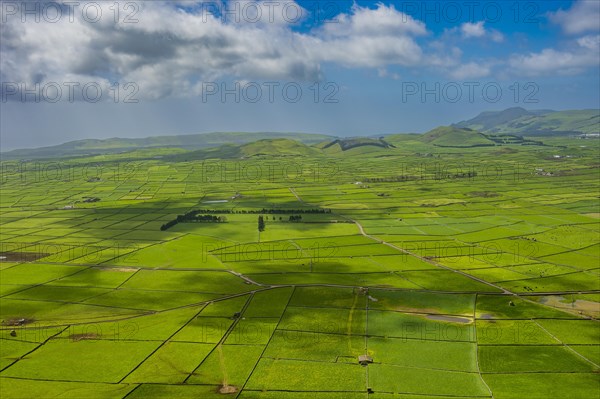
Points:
(456, 137)
(189, 142)
(452, 136)
(519, 121)
(283, 147)
(490, 119)
(486, 129)
(265, 147)
(354, 142)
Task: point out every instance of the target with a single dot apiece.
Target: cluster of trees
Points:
(261, 211)
(435, 175)
(193, 217)
(209, 218)
(204, 216)
(347, 144)
(261, 221)
(292, 218)
(388, 179)
(168, 225)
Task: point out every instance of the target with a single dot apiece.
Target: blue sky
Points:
(342, 68)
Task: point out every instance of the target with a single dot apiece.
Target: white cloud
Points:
(583, 54)
(381, 21)
(496, 36)
(384, 73)
(470, 70)
(369, 38)
(166, 53)
(367, 51)
(577, 56)
(478, 30)
(171, 50)
(590, 42)
(469, 29)
(583, 16)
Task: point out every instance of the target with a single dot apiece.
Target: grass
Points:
(543, 385)
(455, 137)
(84, 361)
(11, 350)
(434, 274)
(511, 359)
(389, 378)
(452, 356)
(307, 376)
(452, 304)
(418, 326)
(512, 332)
(499, 307)
(170, 364)
(227, 365)
(25, 388)
(573, 331)
(313, 346)
(325, 320)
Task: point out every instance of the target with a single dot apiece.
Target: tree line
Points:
(193, 217)
(204, 215)
(262, 224)
(433, 176)
(260, 211)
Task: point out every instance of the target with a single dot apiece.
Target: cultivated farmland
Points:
(449, 272)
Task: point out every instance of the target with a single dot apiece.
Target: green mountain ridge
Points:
(455, 137)
(519, 121)
(188, 142)
(489, 128)
(287, 147)
(450, 136)
(279, 147)
(355, 142)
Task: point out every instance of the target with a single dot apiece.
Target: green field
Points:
(463, 271)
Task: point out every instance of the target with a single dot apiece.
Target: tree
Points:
(261, 223)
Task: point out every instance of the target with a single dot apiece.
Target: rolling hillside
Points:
(519, 121)
(264, 147)
(355, 146)
(454, 137)
(450, 136)
(189, 142)
(486, 129)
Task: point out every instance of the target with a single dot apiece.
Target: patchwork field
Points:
(453, 284)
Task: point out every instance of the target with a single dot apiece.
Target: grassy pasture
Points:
(105, 304)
